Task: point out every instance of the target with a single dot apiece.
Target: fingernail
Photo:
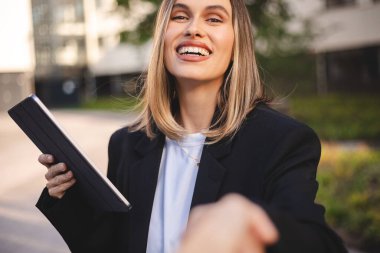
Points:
(63, 166)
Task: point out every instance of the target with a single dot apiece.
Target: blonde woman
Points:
(204, 132)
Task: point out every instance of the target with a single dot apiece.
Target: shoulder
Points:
(265, 119)
(124, 141)
(125, 135)
(121, 151)
(264, 115)
(271, 130)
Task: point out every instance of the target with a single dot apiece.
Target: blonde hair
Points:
(242, 88)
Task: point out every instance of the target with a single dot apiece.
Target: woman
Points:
(204, 132)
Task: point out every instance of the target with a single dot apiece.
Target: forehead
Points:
(203, 4)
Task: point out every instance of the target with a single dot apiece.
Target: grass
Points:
(333, 117)
(111, 103)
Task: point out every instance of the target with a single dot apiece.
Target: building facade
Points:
(16, 50)
(69, 36)
(348, 46)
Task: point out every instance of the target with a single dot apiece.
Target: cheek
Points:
(230, 40)
(172, 32)
(167, 50)
(169, 43)
(226, 42)
(166, 45)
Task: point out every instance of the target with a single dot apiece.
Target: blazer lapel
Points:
(143, 180)
(142, 186)
(211, 173)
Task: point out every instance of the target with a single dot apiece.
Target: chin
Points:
(191, 77)
(193, 73)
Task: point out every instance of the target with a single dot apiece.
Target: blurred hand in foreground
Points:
(59, 178)
(231, 225)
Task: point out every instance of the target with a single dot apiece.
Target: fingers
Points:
(235, 223)
(197, 213)
(259, 222)
(59, 179)
(46, 159)
(59, 190)
(264, 227)
(55, 170)
(59, 184)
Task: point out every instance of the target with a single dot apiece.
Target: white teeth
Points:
(193, 50)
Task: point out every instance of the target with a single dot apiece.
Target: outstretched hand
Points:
(231, 225)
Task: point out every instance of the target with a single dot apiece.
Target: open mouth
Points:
(198, 51)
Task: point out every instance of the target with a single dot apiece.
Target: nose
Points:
(194, 29)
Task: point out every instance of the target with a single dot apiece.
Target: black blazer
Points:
(272, 160)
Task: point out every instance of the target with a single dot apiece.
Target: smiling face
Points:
(199, 40)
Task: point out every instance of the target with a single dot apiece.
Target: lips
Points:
(193, 48)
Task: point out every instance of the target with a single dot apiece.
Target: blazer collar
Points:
(220, 149)
(145, 145)
(210, 174)
(143, 175)
(209, 179)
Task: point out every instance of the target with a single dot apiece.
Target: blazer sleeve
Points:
(83, 228)
(290, 189)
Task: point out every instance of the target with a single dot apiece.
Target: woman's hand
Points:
(232, 225)
(58, 177)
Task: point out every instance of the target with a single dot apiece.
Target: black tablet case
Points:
(32, 116)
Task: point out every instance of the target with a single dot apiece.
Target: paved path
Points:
(22, 227)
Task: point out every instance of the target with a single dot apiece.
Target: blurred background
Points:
(319, 60)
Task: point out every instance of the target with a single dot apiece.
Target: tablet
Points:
(34, 118)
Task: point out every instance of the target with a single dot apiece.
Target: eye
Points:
(214, 20)
(179, 18)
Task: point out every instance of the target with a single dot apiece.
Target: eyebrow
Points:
(210, 7)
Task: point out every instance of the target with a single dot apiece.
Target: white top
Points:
(174, 193)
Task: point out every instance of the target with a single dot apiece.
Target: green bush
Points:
(112, 103)
(291, 73)
(339, 117)
(350, 190)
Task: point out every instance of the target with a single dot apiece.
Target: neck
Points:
(197, 102)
